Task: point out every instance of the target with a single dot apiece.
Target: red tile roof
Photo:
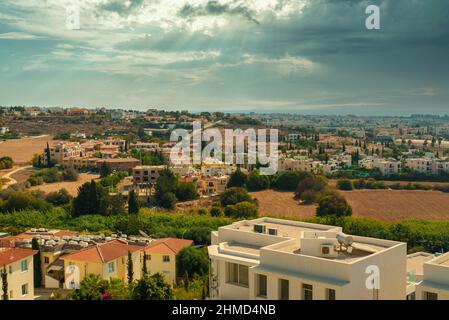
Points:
(103, 252)
(167, 245)
(10, 255)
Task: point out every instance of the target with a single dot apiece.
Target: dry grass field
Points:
(281, 204)
(385, 205)
(22, 150)
(71, 187)
(395, 205)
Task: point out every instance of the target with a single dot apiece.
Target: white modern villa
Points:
(269, 258)
(435, 280)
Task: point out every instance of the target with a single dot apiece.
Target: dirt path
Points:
(11, 181)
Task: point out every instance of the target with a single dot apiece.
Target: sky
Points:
(304, 56)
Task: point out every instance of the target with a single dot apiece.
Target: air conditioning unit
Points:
(273, 231)
(327, 250)
(260, 228)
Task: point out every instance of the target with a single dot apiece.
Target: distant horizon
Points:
(306, 112)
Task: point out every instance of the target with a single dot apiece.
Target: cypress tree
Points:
(130, 268)
(4, 276)
(48, 153)
(133, 203)
(37, 264)
(144, 267)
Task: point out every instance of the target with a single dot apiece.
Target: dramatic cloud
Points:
(273, 55)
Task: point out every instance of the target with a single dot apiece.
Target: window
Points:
(411, 296)
(262, 285)
(307, 292)
(166, 258)
(10, 269)
(46, 260)
(166, 273)
(284, 289)
(111, 267)
(430, 296)
(25, 289)
(148, 257)
(237, 274)
(24, 265)
(330, 294)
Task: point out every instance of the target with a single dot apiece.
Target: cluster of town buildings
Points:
(275, 259)
(259, 259)
(67, 257)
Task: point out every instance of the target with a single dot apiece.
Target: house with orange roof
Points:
(160, 256)
(107, 260)
(18, 265)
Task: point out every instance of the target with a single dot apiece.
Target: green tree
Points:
(105, 169)
(59, 198)
(233, 196)
(186, 191)
(313, 183)
(238, 179)
(91, 288)
(153, 287)
(37, 264)
(168, 201)
(243, 210)
(192, 261)
(345, 184)
(90, 200)
(133, 203)
(257, 182)
(333, 205)
(48, 154)
(215, 211)
(288, 181)
(166, 183)
(144, 264)
(130, 268)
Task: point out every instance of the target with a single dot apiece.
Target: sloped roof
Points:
(10, 255)
(102, 252)
(167, 245)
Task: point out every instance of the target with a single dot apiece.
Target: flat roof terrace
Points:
(287, 229)
(360, 250)
(442, 260)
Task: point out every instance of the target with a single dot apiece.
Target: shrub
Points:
(233, 196)
(215, 211)
(59, 198)
(345, 185)
(168, 201)
(288, 181)
(186, 191)
(192, 261)
(314, 184)
(243, 209)
(257, 182)
(238, 179)
(333, 204)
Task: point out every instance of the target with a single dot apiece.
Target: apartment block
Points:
(270, 258)
(107, 260)
(429, 166)
(18, 264)
(161, 254)
(144, 175)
